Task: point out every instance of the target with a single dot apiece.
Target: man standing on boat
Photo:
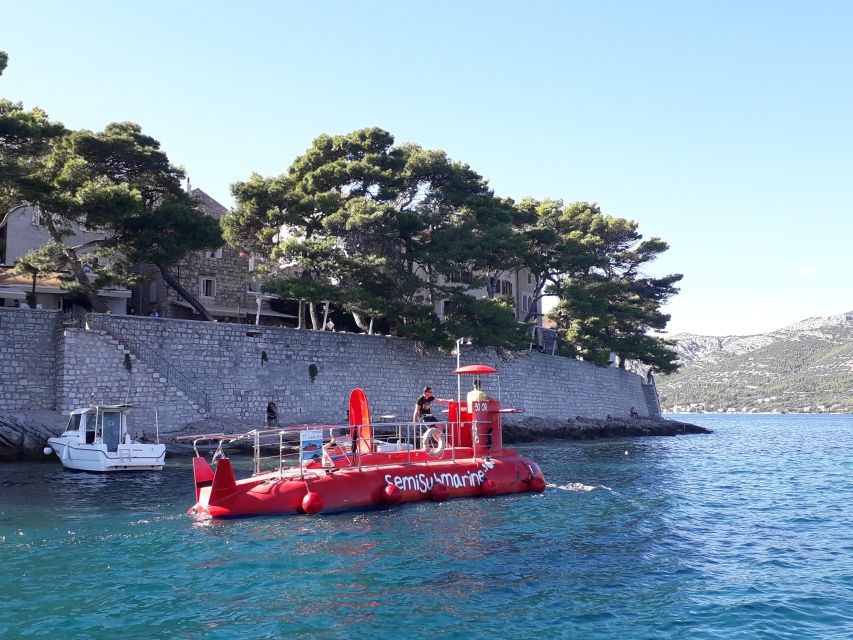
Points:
(423, 410)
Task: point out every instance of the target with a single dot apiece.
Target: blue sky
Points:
(722, 127)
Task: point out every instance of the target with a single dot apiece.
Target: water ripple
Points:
(745, 533)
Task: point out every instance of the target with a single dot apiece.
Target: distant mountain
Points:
(804, 367)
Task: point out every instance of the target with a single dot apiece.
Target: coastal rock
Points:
(24, 434)
(580, 428)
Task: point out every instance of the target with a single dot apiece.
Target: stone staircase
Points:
(156, 376)
(163, 371)
(97, 368)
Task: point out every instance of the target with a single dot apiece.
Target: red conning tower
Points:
(486, 436)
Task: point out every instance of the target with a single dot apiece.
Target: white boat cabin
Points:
(101, 424)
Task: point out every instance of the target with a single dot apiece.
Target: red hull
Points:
(384, 479)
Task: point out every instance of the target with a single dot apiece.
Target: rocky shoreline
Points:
(580, 428)
(24, 434)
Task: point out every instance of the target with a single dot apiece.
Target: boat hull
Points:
(127, 457)
(349, 488)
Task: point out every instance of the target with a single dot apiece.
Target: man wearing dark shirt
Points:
(423, 410)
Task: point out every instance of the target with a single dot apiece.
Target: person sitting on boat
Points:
(476, 394)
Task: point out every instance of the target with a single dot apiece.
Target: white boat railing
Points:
(278, 450)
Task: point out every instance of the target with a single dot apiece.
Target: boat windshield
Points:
(74, 422)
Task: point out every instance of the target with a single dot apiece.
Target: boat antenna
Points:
(157, 427)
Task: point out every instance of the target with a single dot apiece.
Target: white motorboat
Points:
(96, 439)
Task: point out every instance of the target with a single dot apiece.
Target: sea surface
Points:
(744, 533)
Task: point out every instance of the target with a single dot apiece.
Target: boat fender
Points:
(489, 487)
(437, 436)
(537, 483)
(392, 494)
(439, 492)
(48, 451)
(312, 502)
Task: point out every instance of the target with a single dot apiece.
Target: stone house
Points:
(224, 281)
(24, 232)
(517, 284)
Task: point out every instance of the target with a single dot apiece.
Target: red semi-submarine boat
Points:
(366, 465)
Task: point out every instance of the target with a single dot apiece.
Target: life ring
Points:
(437, 435)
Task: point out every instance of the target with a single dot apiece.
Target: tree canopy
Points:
(607, 304)
(381, 229)
(393, 230)
(119, 185)
(25, 139)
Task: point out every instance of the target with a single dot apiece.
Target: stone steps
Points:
(155, 375)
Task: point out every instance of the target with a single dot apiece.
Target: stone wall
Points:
(652, 400)
(308, 374)
(28, 363)
(95, 366)
(243, 367)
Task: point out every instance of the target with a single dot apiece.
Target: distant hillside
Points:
(804, 367)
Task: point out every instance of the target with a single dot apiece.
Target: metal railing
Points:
(71, 320)
(278, 450)
(119, 330)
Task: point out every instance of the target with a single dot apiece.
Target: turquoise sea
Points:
(744, 533)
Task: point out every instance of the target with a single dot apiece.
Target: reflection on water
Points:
(740, 534)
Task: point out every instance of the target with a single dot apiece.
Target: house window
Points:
(207, 287)
(152, 292)
(252, 262)
(37, 216)
(449, 305)
(524, 303)
(506, 287)
(462, 275)
(214, 254)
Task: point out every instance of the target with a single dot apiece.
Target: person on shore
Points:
(634, 413)
(650, 379)
(272, 414)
